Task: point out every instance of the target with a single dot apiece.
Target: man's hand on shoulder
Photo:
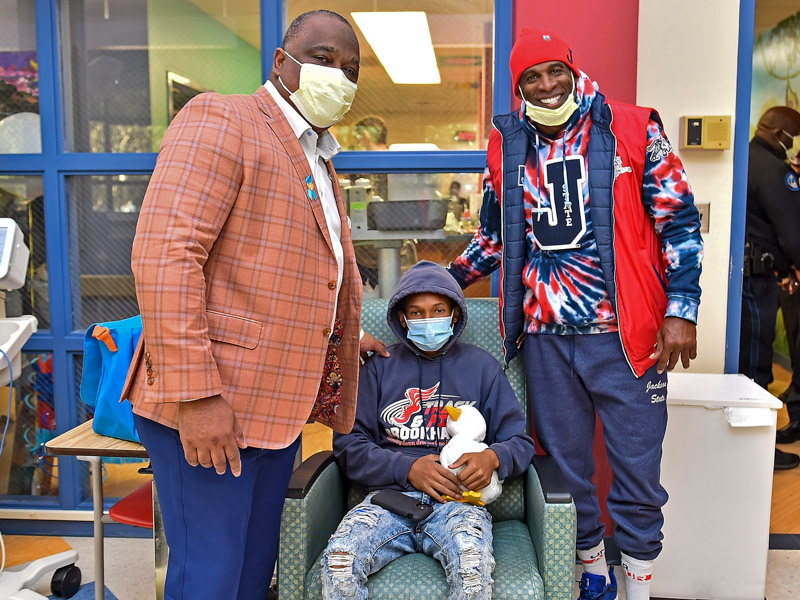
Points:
(478, 469)
(427, 475)
(677, 338)
(210, 434)
(370, 344)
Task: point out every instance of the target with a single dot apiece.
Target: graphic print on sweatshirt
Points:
(565, 224)
(565, 291)
(419, 417)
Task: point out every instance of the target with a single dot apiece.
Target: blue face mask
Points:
(430, 334)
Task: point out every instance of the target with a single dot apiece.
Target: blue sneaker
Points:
(593, 587)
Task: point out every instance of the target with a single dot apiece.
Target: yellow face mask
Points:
(551, 117)
(324, 94)
(793, 150)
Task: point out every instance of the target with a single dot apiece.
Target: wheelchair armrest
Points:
(307, 473)
(315, 503)
(552, 524)
(552, 480)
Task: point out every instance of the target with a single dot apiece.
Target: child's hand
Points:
(427, 475)
(478, 469)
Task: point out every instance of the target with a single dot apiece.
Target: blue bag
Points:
(107, 353)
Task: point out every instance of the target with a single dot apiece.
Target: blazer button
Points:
(147, 355)
(326, 332)
(150, 381)
(332, 284)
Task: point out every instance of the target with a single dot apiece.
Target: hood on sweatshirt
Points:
(429, 277)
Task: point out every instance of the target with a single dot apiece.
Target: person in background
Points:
(772, 251)
(251, 306)
(589, 214)
(790, 307)
(370, 132)
(370, 135)
(458, 204)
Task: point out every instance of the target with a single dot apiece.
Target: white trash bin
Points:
(717, 467)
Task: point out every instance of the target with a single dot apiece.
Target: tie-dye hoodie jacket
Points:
(566, 287)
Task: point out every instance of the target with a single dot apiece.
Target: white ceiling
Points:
(461, 32)
(242, 16)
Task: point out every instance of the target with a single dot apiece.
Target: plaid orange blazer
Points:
(236, 277)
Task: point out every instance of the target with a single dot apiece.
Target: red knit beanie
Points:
(534, 46)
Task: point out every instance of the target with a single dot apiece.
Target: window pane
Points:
(24, 468)
(21, 200)
(130, 65)
(453, 114)
(19, 79)
(428, 216)
(103, 211)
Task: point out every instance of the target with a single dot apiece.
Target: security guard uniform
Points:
(772, 246)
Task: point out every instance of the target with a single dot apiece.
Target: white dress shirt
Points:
(318, 150)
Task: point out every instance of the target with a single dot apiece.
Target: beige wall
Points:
(687, 66)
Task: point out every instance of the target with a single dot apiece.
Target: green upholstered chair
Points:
(533, 520)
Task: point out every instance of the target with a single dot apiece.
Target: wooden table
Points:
(83, 441)
(91, 447)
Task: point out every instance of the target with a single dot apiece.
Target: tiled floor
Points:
(129, 562)
(129, 570)
(783, 575)
(129, 573)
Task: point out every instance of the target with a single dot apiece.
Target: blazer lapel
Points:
(280, 126)
(337, 192)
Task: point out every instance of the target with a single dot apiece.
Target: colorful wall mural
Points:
(776, 69)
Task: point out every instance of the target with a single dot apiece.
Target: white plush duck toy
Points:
(467, 428)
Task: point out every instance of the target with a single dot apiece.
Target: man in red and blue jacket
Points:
(589, 216)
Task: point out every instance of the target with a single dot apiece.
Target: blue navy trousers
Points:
(570, 379)
(222, 531)
(757, 334)
(790, 307)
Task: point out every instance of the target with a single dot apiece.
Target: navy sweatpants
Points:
(222, 531)
(569, 378)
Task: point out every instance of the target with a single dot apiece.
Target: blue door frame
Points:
(54, 165)
(741, 143)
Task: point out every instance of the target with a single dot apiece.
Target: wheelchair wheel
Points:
(66, 581)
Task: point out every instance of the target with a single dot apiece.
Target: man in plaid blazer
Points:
(251, 300)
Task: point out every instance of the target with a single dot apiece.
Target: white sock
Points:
(594, 561)
(637, 577)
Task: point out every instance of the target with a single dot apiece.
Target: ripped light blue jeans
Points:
(369, 537)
